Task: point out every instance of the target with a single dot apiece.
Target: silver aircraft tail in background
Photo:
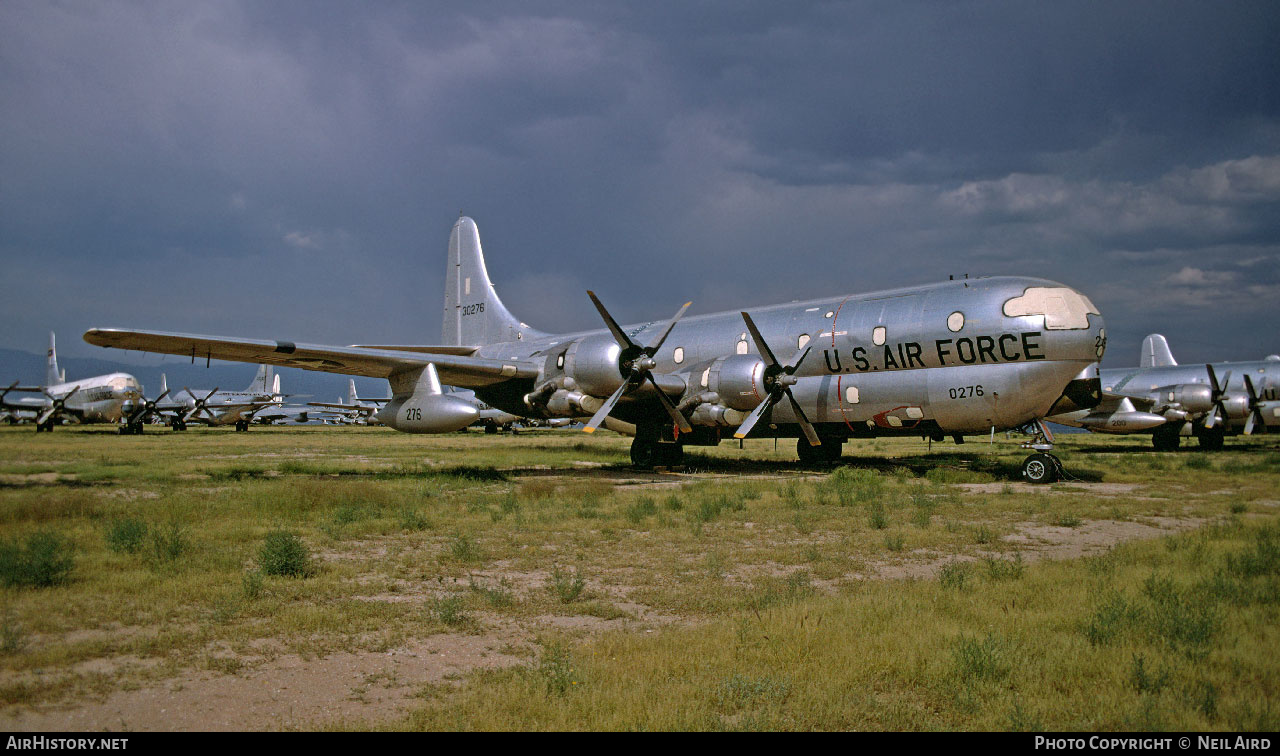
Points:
(946, 359)
(1172, 401)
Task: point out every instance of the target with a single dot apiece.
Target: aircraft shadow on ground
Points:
(1186, 448)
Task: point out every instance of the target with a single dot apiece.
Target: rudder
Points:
(1155, 352)
(473, 313)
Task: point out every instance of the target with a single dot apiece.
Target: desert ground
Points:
(358, 578)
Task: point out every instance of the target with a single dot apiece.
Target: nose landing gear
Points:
(1041, 467)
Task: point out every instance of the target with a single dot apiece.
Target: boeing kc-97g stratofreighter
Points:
(1171, 401)
(99, 399)
(967, 356)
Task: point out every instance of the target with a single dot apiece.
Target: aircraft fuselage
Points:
(956, 357)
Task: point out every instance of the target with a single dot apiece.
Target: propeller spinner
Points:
(636, 365)
(778, 380)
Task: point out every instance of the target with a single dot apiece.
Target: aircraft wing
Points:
(344, 407)
(33, 405)
(373, 363)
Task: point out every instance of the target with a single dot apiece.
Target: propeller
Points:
(56, 406)
(778, 380)
(1216, 397)
(636, 364)
(1255, 409)
(146, 409)
(201, 405)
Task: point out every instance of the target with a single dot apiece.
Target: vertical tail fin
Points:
(473, 314)
(262, 382)
(1155, 352)
(275, 386)
(352, 398)
(164, 384)
(52, 375)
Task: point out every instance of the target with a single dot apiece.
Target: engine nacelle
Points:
(428, 413)
(592, 364)
(1236, 405)
(1192, 397)
(739, 380)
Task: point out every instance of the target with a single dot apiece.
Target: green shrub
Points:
(45, 560)
(566, 586)
(449, 610)
(126, 535)
(169, 543)
(284, 554)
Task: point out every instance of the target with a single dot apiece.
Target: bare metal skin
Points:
(1173, 401)
(952, 358)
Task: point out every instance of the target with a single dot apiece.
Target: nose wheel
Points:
(1041, 468)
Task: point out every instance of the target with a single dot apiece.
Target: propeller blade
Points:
(653, 348)
(761, 408)
(764, 349)
(1255, 418)
(799, 358)
(618, 334)
(670, 407)
(805, 425)
(1216, 398)
(605, 409)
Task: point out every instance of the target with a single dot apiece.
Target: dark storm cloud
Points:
(292, 169)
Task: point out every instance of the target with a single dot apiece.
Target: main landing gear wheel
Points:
(828, 451)
(242, 426)
(1041, 468)
(1211, 439)
(647, 454)
(1167, 437)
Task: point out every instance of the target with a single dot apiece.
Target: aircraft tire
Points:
(644, 453)
(490, 429)
(1040, 469)
(808, 453)
(668, 455)
(1166, 438)
(1211, 440)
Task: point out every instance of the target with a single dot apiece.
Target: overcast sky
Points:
(292, 169)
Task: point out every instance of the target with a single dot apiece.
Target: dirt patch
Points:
(286, 692)
(1038, 541)
(1071, 487)
(35, 479)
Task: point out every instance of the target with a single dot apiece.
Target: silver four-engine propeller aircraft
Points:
(1171, 401)
(99, 399)
(228, 407)
(960, 357)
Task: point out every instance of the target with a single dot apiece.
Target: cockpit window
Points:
(1063, 309)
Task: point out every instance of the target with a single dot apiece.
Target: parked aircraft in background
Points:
(355, 410)
(99, 399)
(1172, 401)
(226, 407)
(953, 358)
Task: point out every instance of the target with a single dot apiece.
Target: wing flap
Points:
(372, 363)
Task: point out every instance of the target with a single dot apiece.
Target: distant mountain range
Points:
(29, 370)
